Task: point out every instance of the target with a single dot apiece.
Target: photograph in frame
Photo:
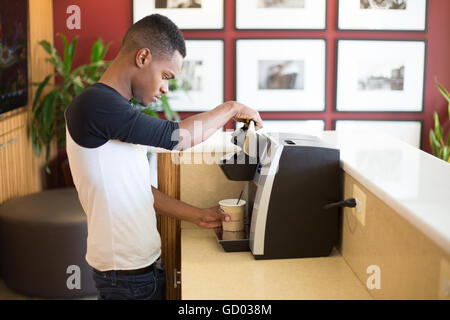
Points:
(202, 77)
(387, 15)
(186, 14)
(380, 75)
(281, 14)
(404, 130)
(281, 75)
(178, 4)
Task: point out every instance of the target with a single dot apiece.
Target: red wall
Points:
(110, 19)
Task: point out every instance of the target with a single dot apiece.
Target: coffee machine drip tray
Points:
(233, 241)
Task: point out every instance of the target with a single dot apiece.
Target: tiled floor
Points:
(7, 294)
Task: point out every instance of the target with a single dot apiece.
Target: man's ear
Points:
(143, 57)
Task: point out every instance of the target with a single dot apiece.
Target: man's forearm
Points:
(211, 121)
(170, 207)
(173, 208)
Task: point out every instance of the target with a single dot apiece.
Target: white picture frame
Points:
(209, 16)
(399, 15)
(380, 75)
(281, 74)
(205, 59)
(409, 131)
(281, 15)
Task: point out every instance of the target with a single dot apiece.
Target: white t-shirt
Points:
(106, 141)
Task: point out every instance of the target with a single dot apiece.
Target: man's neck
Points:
(116, 77)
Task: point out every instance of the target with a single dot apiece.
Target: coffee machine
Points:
(290, 185)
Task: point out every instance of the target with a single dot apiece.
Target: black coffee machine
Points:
(291, 183)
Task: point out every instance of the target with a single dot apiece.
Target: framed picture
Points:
(13, 55)
(294, 126)
(380, 75)
(202, 76)
(407, 131)
(387, 15)
(187, 14)
(281, 14)
(281, 74)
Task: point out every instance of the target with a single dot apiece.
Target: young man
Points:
(106, 135)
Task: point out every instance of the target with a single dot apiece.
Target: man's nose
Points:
(165, 87)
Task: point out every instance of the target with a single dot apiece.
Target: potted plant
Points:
(48, 108)
(439, 146)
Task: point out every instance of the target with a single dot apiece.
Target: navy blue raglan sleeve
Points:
(126, 123)
(100, 114)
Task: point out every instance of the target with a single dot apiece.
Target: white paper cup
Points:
(236, 212)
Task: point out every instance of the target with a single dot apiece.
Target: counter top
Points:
(208, 272)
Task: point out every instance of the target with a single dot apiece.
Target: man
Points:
(106, 135)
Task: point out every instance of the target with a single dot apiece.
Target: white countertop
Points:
(412, 182)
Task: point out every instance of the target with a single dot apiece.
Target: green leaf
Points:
(440, 153)
(41, 87)
(445, 153)
(47, 155)
(98, 53)
(101, 50)
(46, 120)
(47, 46)
(435, 145)
(66, 51)
(54, 59)
(69, 52)
(168, 112)
(96, 50)
(150, 112)
(443, 91)
(432, 144)
(72, 47)
(78, 85)
(35, 143)
(439, 132)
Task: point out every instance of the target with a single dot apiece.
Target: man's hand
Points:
(211, 217)
(245, 113)
(212, 121)
(170, 207)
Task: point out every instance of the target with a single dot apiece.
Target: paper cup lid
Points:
(232, 202)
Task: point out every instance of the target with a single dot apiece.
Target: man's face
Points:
(152, 79)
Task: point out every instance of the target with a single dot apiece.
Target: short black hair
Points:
(156, 32)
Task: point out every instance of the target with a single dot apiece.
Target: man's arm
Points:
(213, 120)
(206, 218)
(210, 121)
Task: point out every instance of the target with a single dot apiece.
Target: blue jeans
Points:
(148, 286)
